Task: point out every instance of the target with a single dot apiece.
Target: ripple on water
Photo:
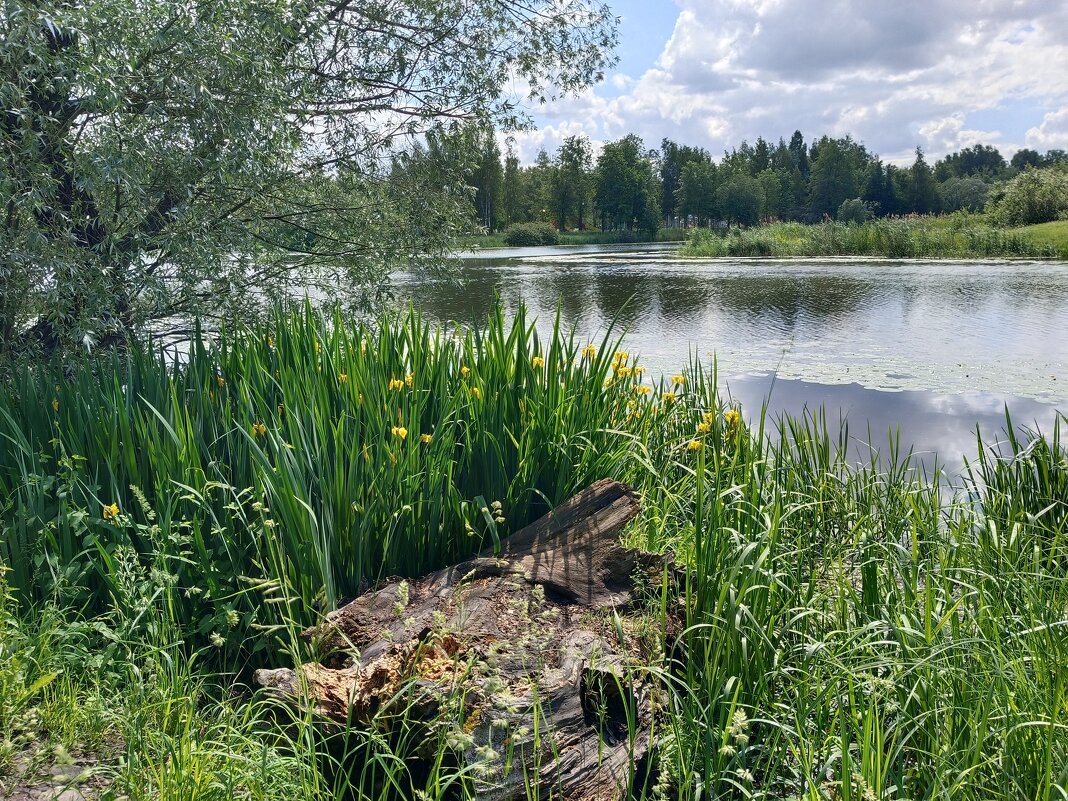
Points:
(945, 327)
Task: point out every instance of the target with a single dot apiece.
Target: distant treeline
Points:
(632, 187)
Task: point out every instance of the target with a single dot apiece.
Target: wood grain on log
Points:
(540, 642)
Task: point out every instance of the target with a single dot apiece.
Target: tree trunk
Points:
(543, 644)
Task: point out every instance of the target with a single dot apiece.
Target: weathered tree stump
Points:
(529, 662)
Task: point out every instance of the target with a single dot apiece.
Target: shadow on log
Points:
(529, 662)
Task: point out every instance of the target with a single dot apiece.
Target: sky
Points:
(895, 74)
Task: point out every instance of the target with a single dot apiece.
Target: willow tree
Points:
(161, 157)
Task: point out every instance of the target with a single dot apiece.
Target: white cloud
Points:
(893, 74)
(1052, 133)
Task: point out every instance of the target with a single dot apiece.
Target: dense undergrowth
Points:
(854, 631)
(957, 236)
(1052, 234)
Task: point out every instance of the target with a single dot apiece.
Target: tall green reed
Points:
(314, 453)
(851, 628)
(917, 238)
(856, 629)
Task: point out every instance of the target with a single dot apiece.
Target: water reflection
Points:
(961, 338)
(940, 428)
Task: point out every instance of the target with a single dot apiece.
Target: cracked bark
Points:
(548, 635)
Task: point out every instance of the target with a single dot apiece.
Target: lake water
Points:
(931, 348)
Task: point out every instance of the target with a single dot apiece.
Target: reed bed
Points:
(852, 630)
(904, 238)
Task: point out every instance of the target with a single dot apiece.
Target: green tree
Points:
(968, 193)
(738, 160)
(697, 192)
(673, 160)
(774, 191)
(976, 160)
(741, 200)
(781, 159)
(879, 190)
(761, 158)
(513, 199)
(626, 187)
(488, 179)
(834, 178)
(571, 181)
(160, 158)
(799, 154)
(540, 178)
(900, 181)
(923, 194)
(1025, 157)
(794, 193)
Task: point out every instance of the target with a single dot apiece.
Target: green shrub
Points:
(968, 193)
(854, 211)
(531, 235)
(1035, 196)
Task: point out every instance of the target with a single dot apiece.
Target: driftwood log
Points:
(529, 662)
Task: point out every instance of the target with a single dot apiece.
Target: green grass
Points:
(487, 241)
(851, 630)
(290, 462)
(956, 236)
(85, 708)
(1053, 234)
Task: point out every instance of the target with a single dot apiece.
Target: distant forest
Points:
(632, 187)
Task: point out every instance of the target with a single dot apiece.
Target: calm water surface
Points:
(931, 347)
